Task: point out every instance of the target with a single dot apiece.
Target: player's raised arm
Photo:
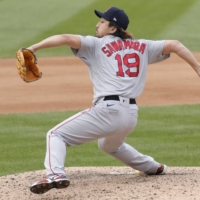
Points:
(177, 47)
(58, 40)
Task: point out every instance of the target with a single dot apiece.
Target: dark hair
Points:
(120, 32)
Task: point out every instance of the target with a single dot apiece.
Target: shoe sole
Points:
(45, 187)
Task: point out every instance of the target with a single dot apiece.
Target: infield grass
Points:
(169, 134)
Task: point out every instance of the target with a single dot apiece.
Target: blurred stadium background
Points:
(26, 22)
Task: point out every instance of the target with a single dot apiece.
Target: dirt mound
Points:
(108, 183)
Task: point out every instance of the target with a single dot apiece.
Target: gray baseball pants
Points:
(109, 122)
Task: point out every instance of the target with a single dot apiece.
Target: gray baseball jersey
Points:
(116, 66)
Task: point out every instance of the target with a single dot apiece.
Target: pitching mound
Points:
(108, 183)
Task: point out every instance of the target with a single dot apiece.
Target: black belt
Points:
(116, 98)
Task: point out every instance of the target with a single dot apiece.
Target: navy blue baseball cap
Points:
(115, 15)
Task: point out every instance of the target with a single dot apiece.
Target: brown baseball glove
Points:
(27, 66)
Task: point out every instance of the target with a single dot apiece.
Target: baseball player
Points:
(117, 65)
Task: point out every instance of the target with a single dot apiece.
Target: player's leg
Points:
(116, 147)
(76, 130)
(129, 155)
(92, 124)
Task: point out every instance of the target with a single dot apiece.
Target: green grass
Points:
(24, 20)
(169, 134)
(158, 19)
(175, 132)
(184, 28)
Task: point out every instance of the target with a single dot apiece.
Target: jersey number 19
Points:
(125, 61)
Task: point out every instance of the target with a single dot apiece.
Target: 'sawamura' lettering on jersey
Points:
(119, 45)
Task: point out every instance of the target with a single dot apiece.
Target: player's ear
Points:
(113, 29)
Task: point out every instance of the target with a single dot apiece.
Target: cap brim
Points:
(98, 13)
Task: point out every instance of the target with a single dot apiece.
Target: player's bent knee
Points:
(102, 145)
(105, 147)
(49, 133)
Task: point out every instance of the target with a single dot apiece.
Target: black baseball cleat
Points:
(58, 182)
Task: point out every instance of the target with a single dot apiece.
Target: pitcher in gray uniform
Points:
(117, 64)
